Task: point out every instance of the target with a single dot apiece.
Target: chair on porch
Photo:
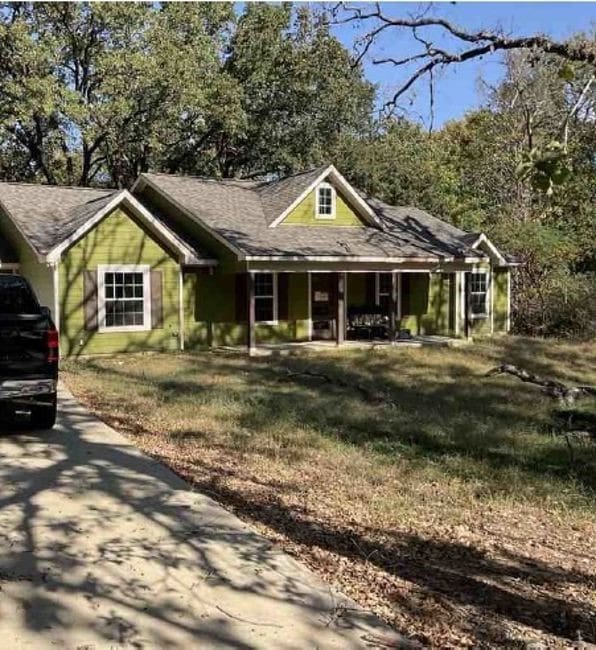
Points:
(367, 322)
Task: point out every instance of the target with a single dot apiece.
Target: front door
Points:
(324, 306)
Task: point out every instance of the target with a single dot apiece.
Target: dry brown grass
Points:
(457, 515)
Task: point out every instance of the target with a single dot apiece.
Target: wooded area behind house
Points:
(94, 94)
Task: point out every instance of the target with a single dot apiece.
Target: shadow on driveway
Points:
(102, 545)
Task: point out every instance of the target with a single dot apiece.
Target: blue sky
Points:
(458, 89)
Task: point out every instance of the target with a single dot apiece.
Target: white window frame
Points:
(102, 269)
(275, 298)
(486, 313)
(318, 215)
(378, 293)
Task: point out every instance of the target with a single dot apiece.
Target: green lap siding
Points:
(500, 299)
(210, 306)
(430, 307)
(304, 214)
(117, 240)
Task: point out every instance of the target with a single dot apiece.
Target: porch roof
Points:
(239, 212)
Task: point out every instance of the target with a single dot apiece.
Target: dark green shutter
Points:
(156, 300)
(90, 300)
(241, 298)
(283, 280)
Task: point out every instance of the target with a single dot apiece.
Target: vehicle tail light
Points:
(52, 345)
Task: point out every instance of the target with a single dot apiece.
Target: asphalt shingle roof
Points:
(241, 211)
(49, 214)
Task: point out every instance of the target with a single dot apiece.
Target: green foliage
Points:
(545, 168)
(98, 92)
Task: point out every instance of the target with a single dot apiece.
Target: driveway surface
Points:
(103, 547)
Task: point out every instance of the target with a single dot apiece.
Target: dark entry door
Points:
(324, 305)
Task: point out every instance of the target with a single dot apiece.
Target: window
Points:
(478, 294)
(383, 287)
(124, 298)
(265, 297)
(325, 208)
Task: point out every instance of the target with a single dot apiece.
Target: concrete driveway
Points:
(102, 547)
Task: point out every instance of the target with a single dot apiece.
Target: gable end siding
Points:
(304, 214)
(118, 239)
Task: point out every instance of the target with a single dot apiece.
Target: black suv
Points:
(28, 353)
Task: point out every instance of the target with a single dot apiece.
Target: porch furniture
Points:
(368, 322)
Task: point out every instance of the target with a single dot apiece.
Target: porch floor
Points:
(268, 349)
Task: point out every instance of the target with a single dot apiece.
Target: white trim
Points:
(56, 286)
(487, 294)
(275, 320)
(399, 289)
(318, 215)
(348, 190)
(143, 180)
(490, 299)
(124, 198)
(483, 239)
(102, 269)
(181, 310)
(356, 258)
(309, 275)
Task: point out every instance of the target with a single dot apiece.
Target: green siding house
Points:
(182, 262)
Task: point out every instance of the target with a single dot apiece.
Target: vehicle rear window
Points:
(16, 296)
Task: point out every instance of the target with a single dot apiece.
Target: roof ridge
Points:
(201, 178)
(61, 187)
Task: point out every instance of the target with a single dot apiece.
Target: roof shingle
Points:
(242, 211)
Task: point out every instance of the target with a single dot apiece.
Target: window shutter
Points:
(371, 291)
(283, 296)
(241, 298)
(90, 299)
(156, 300)
(405, 294)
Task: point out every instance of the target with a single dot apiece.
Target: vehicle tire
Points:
(44, 417)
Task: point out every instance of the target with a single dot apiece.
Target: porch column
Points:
(392, 305)
(341, 308)
(251, 341)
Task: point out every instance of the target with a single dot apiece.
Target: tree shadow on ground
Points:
(100, 543)
(435, 417)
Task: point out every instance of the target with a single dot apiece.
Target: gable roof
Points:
(50, 218)
(238, 213)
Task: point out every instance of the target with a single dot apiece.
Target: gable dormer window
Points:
(325, 204)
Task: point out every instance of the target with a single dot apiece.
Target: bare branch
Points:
(483, 42)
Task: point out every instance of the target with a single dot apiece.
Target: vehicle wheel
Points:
(44, 417)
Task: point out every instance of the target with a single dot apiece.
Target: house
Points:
(183, 262)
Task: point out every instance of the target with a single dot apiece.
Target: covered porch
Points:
(364, 304)
(356, 308)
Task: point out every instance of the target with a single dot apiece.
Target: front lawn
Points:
(451, 508)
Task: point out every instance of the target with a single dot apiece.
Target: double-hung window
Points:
(383, 291)
(478, 289)
(265, 297)
(325, 204)
(124, 297)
